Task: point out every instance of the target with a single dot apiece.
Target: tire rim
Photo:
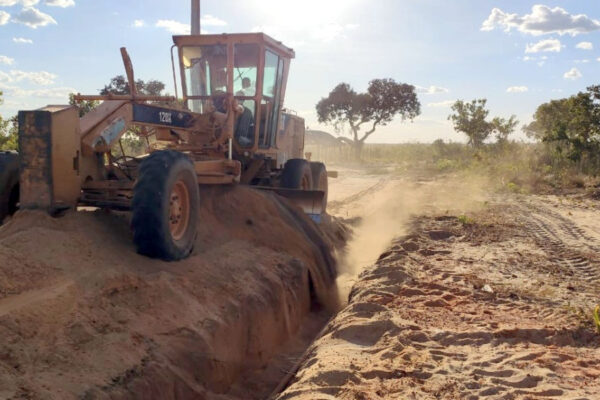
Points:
(179, 210)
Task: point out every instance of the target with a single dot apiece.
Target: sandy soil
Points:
(478, 296)
(452, 293)
(83, 316)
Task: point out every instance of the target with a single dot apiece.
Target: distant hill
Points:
(320, 138)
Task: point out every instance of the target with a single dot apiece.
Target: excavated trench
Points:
(83, 316)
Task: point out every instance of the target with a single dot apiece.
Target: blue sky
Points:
(516, 53)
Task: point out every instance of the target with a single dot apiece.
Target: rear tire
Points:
(297, 174)
(165, 206)
(319, 178)
(9, 184)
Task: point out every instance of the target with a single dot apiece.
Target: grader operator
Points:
(231, 128)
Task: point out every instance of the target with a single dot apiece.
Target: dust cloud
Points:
(385, 211)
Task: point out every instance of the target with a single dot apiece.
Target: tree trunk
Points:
(358, 146)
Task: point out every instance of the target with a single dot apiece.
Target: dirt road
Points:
(478, 295)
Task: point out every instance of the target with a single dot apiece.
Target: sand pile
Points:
(461, 309)
(83, 316)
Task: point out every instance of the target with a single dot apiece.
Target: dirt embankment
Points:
(493, 305)
(83, 316)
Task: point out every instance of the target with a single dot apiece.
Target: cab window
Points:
(245, 69)
(205, 69)
(270, 106)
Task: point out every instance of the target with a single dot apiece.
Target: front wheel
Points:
(297, 174)
(165, 206)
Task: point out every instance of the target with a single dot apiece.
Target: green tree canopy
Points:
(503, 128)
(571, 125)
(384, 100)
(470, 119)
(8, 131)
(119, 85)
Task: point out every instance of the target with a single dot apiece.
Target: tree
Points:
(119, 85)
(503, 128)
(131, 142)
(570, 125)
(85, 106)
(470, 118)
(384, 100)
(9, 130)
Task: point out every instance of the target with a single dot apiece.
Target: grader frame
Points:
(224, 131)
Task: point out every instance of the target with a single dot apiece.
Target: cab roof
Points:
(225, 38)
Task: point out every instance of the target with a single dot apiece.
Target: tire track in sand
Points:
(567, 244)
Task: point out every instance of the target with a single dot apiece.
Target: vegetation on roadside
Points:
(8, 131)
(465, 220)
(564, 152)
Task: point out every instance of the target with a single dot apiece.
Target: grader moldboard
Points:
(231, 129)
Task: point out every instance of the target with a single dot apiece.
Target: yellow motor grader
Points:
(230, 128)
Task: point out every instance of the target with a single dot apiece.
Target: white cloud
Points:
(39, 78)
(57, 92)
(53, 93)
(60, 3)
(585, 46)
(175, 27)
(431, 89)
(572, 74)
(446, 103)
(542, 20)
(547, 45)
(33, 18)
(4, 17)
(24, 3)
(4, 77)
(584, 61)
(517, 89)
(6, 60)
(22, 40)
(138, 23)
(211, 20)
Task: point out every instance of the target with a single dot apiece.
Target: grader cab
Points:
(230, 128)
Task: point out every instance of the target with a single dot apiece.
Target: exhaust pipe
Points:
(195, 17)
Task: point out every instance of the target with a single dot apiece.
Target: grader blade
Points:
(310, 201)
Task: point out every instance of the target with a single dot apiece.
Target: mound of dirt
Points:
(457, 310)
(83, 316)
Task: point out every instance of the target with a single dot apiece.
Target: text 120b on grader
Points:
(231, 129)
